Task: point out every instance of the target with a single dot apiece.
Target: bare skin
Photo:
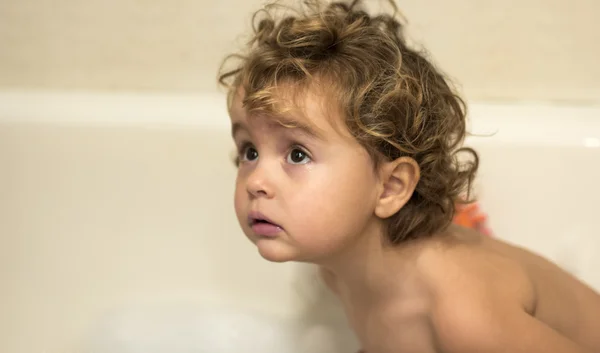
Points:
(321, 200)
(469, 293)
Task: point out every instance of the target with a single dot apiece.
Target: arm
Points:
(478, 330)
(481, 303)
(471, 320)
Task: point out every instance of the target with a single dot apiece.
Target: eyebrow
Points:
(307, 129)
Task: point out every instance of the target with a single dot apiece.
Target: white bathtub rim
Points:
(516, 122)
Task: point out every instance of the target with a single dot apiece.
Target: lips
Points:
(255, 217)
(262, 225)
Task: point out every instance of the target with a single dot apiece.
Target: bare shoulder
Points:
(467, 260)
(485, 297)
(472, 317)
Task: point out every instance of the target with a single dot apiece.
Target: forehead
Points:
(308, 110)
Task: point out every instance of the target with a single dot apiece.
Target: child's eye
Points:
(298, 156)
(248, 153)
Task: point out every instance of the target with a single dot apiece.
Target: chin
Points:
(275, 259)
(274, 251)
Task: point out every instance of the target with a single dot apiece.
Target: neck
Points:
(370, 267)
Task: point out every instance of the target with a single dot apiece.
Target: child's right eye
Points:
(248, 153)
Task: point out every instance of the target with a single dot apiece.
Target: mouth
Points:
(254, 220)
(262, 225)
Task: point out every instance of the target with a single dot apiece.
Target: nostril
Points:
(256, 189)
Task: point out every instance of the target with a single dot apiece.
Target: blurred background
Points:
(117, 231)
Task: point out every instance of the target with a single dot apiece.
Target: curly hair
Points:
(394, 101)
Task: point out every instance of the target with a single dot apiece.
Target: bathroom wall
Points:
(496, 50)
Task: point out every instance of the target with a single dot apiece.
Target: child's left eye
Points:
(298, 156)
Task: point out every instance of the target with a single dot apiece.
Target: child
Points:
(348, 154)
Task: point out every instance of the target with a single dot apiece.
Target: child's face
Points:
(316, 185)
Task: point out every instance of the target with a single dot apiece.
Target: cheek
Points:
(239, 198)
(338, 197)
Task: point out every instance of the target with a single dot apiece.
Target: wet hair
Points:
(393, 100)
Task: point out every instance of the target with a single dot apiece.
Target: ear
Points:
(399, 179)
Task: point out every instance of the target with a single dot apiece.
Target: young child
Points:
(349, 145)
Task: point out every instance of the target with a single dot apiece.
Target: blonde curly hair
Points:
(394, 101)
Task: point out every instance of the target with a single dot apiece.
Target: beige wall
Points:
(512, 49)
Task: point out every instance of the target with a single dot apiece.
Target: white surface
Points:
(534, 123)
(117, 230)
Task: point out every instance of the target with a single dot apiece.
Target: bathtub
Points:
(117, 232)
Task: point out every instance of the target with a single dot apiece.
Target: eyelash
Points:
(238, 159)
(240, 150)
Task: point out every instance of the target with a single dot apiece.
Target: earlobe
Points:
(399, 179)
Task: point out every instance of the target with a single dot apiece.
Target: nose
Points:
(259, 182)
